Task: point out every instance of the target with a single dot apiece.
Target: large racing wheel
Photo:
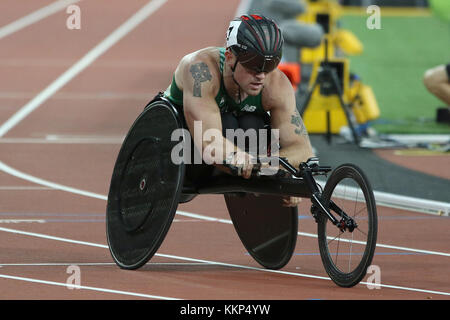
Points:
(145, 187)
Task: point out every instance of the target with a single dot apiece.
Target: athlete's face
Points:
(252, 82)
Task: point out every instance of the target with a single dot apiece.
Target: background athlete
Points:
(236, 87)
(437, 81)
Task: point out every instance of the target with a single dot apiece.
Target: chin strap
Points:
(232, 76)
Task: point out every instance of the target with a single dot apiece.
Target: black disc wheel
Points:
(145, 187)
(267, 229)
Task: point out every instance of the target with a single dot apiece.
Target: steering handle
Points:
(311, 165)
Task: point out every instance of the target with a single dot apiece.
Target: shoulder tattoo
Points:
(200, 73)
(297, 121)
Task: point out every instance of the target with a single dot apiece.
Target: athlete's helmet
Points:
(256, 41)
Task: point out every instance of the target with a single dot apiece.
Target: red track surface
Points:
(207, 260)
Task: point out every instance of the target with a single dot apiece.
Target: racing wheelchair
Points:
(147, 186)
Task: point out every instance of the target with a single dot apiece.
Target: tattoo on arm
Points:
(200, 73)
(300, 128)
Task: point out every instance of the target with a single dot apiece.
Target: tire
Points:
(344, 259)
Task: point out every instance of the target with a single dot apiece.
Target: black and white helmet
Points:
(256, 41)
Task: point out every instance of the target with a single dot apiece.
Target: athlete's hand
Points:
(289, 201)
(244, 162)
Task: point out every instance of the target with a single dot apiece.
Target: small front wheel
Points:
(347, 250)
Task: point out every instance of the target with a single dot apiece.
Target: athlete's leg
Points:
(437, 81)
(261, 126)
(229, 121)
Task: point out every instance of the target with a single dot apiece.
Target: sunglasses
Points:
(258, 63)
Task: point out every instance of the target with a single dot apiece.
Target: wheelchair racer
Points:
(240, 86)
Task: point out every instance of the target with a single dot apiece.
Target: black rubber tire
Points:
(353, 276)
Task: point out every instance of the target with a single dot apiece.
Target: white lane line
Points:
(44, 236)
(202, 217)
(22, 221)
(58, 138)
(24, 176)
(55, 264)
(63, 140)
(78, 96)
(186, 220)
(93, 264)
(105, 63)
(16, 173)
(23, 188)
(60, 284)
(55, 137)
(312, 235)
(380, 245)
(83, 63)
(35, 16)
(169, 256)
(303, 275)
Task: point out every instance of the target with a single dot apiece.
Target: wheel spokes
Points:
(343, 247)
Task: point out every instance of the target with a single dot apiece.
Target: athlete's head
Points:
(256, 41)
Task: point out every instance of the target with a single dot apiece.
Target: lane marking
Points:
(64, 140)
(223, 221)
(93, 264)
(43, 236)
(22, 221)
(82, 64)
(21, 175)
(186, 220)
(74, 220)
(60, 284)
(55, 264)
(358, 254)
(55, 214)
(58, 138)
(169, 256)
(301, 274)
(312, 235)
(79, 96)
(24, 176)
(23, 188)
(202, 217)
(35, 16)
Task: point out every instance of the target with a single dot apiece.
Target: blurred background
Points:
(378, 49)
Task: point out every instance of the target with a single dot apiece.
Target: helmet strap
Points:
(232, 76)
(235, 65)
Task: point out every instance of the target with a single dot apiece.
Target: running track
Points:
(68, 97)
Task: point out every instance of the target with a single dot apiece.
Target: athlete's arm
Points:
(280, 100)
(201, 81)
